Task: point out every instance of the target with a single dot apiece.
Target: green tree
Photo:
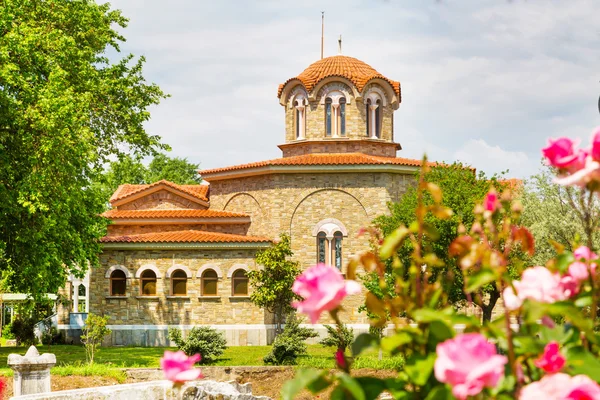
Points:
(555, 213)
(65, 110)
(94, 332)
(130, 169)
(462, 189)
(272, 285)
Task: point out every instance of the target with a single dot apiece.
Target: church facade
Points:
(177, 255)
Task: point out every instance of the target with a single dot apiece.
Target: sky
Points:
(485, 82)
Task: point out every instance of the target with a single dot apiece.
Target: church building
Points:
(177, 255)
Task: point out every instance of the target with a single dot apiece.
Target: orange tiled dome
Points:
(358, 72)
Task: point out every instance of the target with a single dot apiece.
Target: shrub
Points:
(340, 339)
(289, 344)
(22, 329)
(94, 332)
(206, 341)
(52, 336)
(7, 332)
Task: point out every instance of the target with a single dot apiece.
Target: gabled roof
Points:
(171, 214)
(321, 159)
(188, 236)
(123, 192)
(357, 71)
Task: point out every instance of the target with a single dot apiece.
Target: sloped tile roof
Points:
(357, 71)
(188, 236)
(120, 214)
(124, 191)
(323, 159)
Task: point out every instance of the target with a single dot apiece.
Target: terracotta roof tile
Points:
(123, 191)
(189, 236)
(358, 72)
(323, 159)
(118, 214)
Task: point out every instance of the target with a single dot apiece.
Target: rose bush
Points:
(543, 346)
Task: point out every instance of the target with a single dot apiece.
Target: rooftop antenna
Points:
(322, 31)
(340, 45)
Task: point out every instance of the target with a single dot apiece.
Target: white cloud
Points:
(493, 159)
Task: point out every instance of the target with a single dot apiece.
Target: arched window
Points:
(368, 117)
(148, 283)
(179, 283)
(239, 283)
(209, 283)
(378, 119)
(328, 116)
(118, 283)
(337, 250)
(81, 305)
(330, 233)
(342, 117)
(297, 119)
(322, 247)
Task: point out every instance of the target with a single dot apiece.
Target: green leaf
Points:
(362, 342)
(391, 343)
(438, 332)
(419, 367)
(440, 392)
(584, 301)
(392, 242)
(527, 345)
(352, 386)
(479, 279)
(371, 386)
(304, 377)
(428, 314)
(581, 361)
(563, 261)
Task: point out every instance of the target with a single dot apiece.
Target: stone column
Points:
(300, 122)
(373, 122)
(76, 296)
(336, 116)
(31, 372)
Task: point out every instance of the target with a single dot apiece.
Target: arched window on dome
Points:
(299, 117)
(342, 117)
(374, 112)
(367, 117)
(328, 116)
(378, 119)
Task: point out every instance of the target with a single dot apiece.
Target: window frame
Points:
(203, 279)
(112, 278)
(235, 278)
(178, 279)
(144, 278)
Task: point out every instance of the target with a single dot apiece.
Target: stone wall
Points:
(144, 320)
(161, 200)
(375, 147)
(296, 203)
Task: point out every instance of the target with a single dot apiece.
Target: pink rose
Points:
(468, 363)
(569, 286)
(323, 288)
(595, 153)
(579, 271)
(539, 284)
(584, 253)
(561, 153)
(340, 360)
(589, 172)
(491, 202)
(561, 387)
(551, 361)
(180, 368)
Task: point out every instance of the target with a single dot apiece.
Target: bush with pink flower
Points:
(544, 345)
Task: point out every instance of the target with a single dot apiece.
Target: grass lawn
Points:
(70, 360)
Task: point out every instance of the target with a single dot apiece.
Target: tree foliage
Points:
(272, 285)
(290, 343)
(65, 109)
(203, 340)
(462, 189)
(131, 169)
(554, 213)
(93, 334)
